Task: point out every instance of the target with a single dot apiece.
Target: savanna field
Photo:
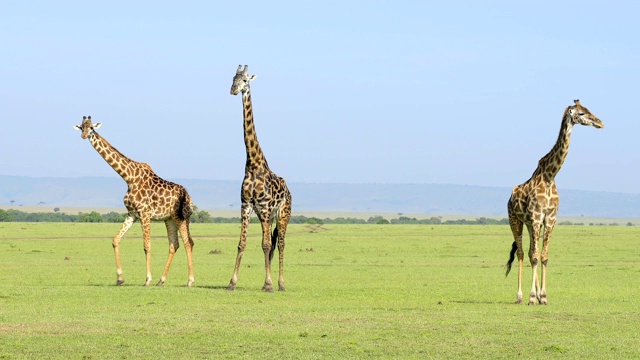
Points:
(353, 291)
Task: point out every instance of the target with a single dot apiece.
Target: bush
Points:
(314, 221)
(5, 216)
(113, 217)
(93, 217)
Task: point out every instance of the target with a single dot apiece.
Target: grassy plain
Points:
(353, 291)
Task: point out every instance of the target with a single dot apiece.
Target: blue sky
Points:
(456, 92)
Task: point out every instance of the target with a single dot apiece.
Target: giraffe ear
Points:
(96, 125)
(253, 77)
(77, 127)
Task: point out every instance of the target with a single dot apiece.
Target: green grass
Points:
(352, 292)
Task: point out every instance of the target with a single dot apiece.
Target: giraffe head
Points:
(86, 127)
(241, 80)
(579, 114)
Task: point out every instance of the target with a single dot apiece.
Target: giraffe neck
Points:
(255, 156)
(120, 163)
(550, 164)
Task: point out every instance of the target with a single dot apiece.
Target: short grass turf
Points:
(353, 291)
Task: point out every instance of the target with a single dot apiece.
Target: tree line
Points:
(201, 216)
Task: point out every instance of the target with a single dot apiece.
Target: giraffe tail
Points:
(274, 242)
(512, 254)
(184, 206)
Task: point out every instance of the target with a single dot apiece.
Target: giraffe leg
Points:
(516, 229)
(246, 216)
(146, 235)
(534, 256)
(126, 225)
(283, 221)
(520, 266)
(266, 247)
(544, 257)
(282, 229)
(172, 233)
(188, 246)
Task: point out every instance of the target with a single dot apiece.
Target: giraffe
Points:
(262, 191)
(535, 203)
(149, 197)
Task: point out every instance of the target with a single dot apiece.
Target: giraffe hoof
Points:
(119, 282)
(267, 288)
(160, 283)
(281, 288)
(189, 283)
(231, 287)
(543, 300)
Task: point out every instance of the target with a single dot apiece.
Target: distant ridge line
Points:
(324, 197)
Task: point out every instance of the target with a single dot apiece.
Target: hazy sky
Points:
(459, 92)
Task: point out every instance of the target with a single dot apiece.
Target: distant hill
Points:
(387, 198)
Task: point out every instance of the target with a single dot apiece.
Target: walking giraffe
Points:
(149, 197)
(535, 203)
(262, 191)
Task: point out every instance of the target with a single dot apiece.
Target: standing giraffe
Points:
(262, 190)
(149, 198)
(535, 203)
